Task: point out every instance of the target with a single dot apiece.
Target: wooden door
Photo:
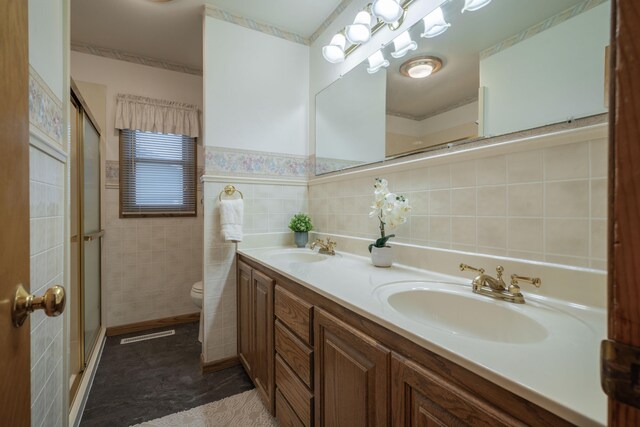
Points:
(15, 383)
(245, 317)
(351, 376)
(264, 343)
(624, 207)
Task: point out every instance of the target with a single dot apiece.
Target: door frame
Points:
(624, 190)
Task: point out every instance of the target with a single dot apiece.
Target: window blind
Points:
(157, 174)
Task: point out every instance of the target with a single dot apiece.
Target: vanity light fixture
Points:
(421, 67)
(473, 5)
(434, 24)
(403, 44)
(376, 15)
(388, 11)
(376, 62)
(360, 31)
(334, 51)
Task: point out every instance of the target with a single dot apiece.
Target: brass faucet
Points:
(484, 284)
(327, 248)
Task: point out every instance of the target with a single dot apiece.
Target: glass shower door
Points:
(92, 236)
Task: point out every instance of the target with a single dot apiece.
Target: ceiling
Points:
(172, 31)
(458, 47)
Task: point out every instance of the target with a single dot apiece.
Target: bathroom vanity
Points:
(326, 342)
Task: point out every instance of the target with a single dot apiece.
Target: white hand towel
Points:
(231, 213)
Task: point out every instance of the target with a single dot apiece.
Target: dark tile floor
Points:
(145, 380)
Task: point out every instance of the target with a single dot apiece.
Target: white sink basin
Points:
(304, 256)
(454, 308)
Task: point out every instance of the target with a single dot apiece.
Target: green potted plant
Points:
(391, 210)
(300, 224)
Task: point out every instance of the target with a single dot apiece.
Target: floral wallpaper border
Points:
(540, 27)
(257, 26)
(226, 161)
(134, 58)
(45, 109)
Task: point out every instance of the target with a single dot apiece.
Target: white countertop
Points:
(559, 373)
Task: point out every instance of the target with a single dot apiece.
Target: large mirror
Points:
(510, 66)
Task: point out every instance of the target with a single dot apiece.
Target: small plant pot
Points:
(382, 257)
(301, 238)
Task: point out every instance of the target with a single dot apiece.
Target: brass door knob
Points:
(52, 302)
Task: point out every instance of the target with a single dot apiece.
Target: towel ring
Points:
(229, 190)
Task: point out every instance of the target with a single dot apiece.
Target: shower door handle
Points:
(92, 236)
(24, 303)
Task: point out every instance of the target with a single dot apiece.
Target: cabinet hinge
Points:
(620, 372)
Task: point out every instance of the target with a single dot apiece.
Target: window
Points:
(157, 174)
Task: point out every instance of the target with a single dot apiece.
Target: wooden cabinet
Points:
(421, 398)
(351, 375)
(314, 362)
(255, 330)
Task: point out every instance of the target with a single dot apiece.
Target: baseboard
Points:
(218, 365)
(153, 324)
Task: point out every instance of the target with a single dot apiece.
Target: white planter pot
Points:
(382, 257)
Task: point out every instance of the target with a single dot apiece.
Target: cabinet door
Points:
(246, 318)
(264, 344)
(422, 398)
(351, 375)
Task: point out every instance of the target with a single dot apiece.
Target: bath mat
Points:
(240, 410)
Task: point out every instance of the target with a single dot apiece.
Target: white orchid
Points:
(390, 208)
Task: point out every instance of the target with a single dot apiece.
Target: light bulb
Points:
(360, 31)
(388, 11)
(403, 44)
(472, 5)
(434, 24)
(420, 71)
(376, 62)
(334, 51)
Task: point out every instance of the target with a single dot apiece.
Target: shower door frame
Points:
(82, 112)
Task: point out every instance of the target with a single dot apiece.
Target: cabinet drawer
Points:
(285, 414)
(295, 313)
(299, 397)
(295, 353)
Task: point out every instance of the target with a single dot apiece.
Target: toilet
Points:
(196, 297)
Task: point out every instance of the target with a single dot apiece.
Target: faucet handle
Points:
(515, 279)
(464, 267)
(499, 271)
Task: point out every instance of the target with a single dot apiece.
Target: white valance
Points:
(156, 115)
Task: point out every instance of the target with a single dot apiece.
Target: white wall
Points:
(46, 36)
(256, 90)
(351, 117)
(127, 77)
(551, 77)
(160, 258)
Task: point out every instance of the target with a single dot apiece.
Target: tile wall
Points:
(547, 204)
(46, 187)
(150, 264)
(267, 209)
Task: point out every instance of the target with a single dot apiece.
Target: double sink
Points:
(451, 307)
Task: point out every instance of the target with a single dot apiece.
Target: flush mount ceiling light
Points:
(421, 67)
(334, 51)
(472, 5)
(360, 31)
(434, 24)
(388, 11)
(403, 44)
(376, 62)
